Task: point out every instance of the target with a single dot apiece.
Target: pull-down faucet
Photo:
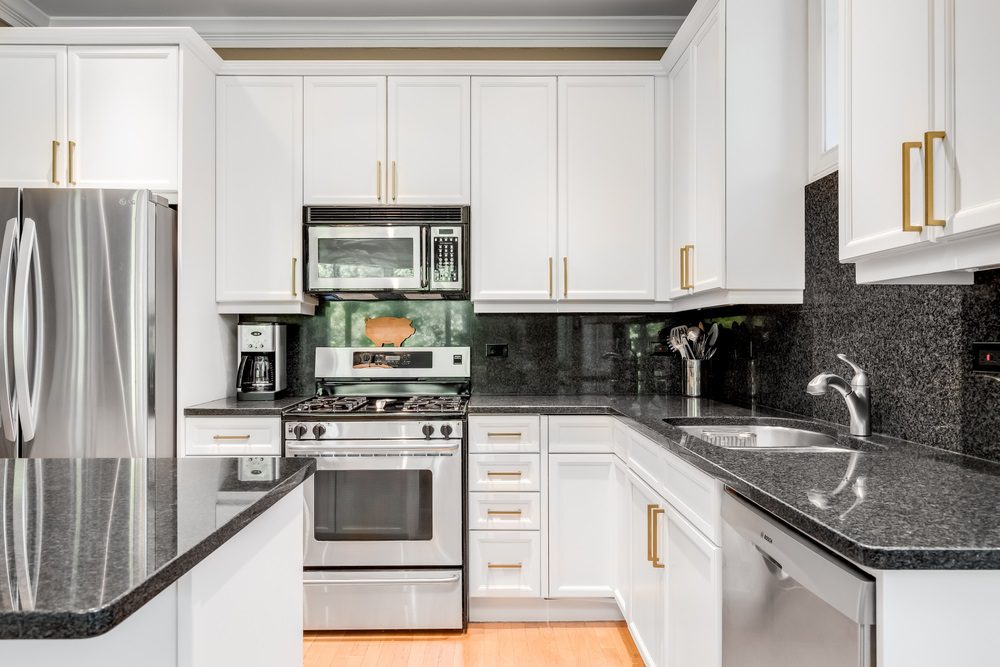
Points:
(856, 394)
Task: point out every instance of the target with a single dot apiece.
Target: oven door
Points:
(384, 504)
(366, 257)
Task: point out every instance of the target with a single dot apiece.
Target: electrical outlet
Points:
(496, 350)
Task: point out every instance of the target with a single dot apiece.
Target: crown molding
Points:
(444, 31)
(22, 14)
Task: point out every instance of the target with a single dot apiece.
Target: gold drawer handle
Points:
(550, 277)
(504, 434)
(231, 437)
(565, 277)
(657, 563)
(295, 262)
(649, 532)
(683, 267)
(929, 138)
(907, 147)
(494, 473)
(55, 156)
(503, 512)
(72, 150)
(504, 566)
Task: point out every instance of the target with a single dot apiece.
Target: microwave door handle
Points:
(425, 258)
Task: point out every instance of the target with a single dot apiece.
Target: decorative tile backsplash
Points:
(915, 342)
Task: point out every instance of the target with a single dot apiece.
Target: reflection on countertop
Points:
(893, 505)
(85, 542)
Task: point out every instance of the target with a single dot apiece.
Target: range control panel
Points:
(986, 358)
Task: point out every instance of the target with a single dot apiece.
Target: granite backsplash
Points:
(915, 342)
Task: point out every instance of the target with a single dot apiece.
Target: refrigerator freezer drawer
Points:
(383, 600)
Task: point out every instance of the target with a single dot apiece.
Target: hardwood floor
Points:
(485, 644)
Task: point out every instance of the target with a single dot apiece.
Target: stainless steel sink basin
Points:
(751, 437)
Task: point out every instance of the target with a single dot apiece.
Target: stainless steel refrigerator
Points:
(88, 313)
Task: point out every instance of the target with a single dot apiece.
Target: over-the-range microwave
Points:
(387, 252)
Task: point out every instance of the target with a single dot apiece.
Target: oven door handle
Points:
(350, 582)
(363, 447)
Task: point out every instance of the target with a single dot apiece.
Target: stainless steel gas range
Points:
(384, 512)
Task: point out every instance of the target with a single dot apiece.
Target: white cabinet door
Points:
(232, 436)
(606, 197)
(123, 117)
(694, 595)
(345, 140)
(623, 539)
(505, 564)
(33, 116)
(648, 594)
(514, 189)
(707, 257)
(887, 101)
(581, 525)
(680, 120)
(259, 193)
(971, 96)
(428, 139)
(580, 434)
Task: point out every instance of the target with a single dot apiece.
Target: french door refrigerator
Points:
(87, 323)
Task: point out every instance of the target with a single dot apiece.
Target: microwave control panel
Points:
(446, 258)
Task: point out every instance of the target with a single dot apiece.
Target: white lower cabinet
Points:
(232, 436)
(504, 472)
(694, 595)
(581, 527)
(505, 564)
(647, 615)
(504, 511)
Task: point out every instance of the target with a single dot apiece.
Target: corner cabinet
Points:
(259, 195)
(76, 123)
(735, 122)
(563, 192)
(920, 172)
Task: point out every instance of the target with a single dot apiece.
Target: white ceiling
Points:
(361, 8)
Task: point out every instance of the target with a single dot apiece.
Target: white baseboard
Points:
(538, 610)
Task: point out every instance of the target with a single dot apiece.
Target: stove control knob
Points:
(299, 430)
(319, 430)
(428, 430)
(446, 430)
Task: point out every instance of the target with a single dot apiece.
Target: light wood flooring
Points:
(597, 644)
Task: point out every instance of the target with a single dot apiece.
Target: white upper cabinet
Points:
(345, 140)
(514, 195)
(259, 195)
(33, 116)
(920, 176)
(123, 117)
(606, 180)
(428, 140)
(736, 128)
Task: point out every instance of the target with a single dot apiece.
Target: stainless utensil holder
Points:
(693, 378)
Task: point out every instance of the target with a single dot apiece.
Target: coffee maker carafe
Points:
(261, 370)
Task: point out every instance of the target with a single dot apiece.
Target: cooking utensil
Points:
(678, 340)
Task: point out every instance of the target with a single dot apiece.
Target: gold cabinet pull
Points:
(907, 147)
(649, 532)
(55, 156)
(657, 563)
(565, 277)
(929, 218)
(504, 434)
(231, 437)
(495, 473)
(295, 262)
(688, 271)
(504, 566)
(378, 180)
(684, 252)
(69, 163)
(503, 512)
(550, 277)
(393, 180)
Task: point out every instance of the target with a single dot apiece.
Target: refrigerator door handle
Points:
(27, 258)
(8, 406)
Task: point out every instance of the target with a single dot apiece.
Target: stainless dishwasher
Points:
(787, 602)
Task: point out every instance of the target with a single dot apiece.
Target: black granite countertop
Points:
(230, 407)
(890, 504)
(101, 537)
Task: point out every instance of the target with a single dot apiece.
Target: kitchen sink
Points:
(754, 437)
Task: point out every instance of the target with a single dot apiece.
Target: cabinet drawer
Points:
(580, 435)
(505, 564)
(504, 511)
(232, 436)
(504, 472)
(511, 434)
(648, 460)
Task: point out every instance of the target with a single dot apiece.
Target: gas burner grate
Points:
(434, 404)
(333, 404)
